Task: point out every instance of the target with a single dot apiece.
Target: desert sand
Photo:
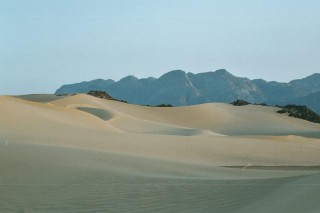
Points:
(84, 154)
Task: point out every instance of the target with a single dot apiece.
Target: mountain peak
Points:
(129, 78)
(222, 72)
(174, 74)
(314, 75)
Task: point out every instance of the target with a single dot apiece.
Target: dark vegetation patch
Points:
(296, 111)
(239, 102)
(164, 105)
(103, 95)
(301, 112)
(160, 105)
(65, 94)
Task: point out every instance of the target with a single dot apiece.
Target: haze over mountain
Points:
(180, 88)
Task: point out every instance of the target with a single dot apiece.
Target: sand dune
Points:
(216, 117)
(81, 153)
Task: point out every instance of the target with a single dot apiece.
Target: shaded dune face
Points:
(100, 113)
(81, 153)
(40, 97)
(131, 124)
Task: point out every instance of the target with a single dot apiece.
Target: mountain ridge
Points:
(180, 88)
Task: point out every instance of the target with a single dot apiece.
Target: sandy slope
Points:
(82, 153)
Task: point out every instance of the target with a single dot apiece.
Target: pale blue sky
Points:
(44, 44)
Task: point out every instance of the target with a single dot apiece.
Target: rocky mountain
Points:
(312, 101)
(180, 88)
(86, 86)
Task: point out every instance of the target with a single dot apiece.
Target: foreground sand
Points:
(80, 153)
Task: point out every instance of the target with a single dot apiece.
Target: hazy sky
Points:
(44, 44)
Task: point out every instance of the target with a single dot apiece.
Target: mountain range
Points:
(180, 88)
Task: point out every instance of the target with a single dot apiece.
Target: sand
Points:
(80, 153)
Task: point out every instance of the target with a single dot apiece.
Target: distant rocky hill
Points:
(311, 100)
(180, 88)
